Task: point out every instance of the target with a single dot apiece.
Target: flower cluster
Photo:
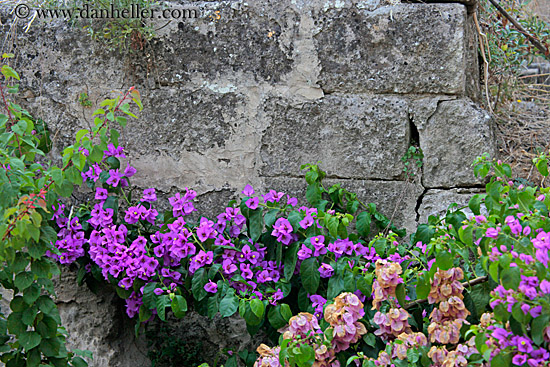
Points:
(448, 317)
(392, 324)
(269, 357)
(343, 316)
(501, 339)
(399, 348)
(441, 357)
(387, 278)
(71, 238)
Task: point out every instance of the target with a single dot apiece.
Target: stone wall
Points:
(271, 85)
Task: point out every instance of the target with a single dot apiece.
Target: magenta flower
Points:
(306, 222)
(282, 229)
(304, 252)
(246, 273)
(101, 194)
(211, 287)
(519, 359)
(114, 177)
(149, 195)
(129, 171)
(291, 201)
(491, 232)
(253, 203)
(114, 152)
(326, 270)
(248, 190)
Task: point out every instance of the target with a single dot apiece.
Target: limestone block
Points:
(353, 136)
(408, 48)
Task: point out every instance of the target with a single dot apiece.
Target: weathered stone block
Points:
(436, 202)
(409, 48)
(245, 39)
(452, 134)
(96, 322)
(354, 136)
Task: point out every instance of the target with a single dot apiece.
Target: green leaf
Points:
(271, 217)
(65, 189)
(162, 302)
(179, 306)
(475, 203)
(286, 313)
(255, 224)
(79, 362)
(313, 194)
(50, 347)
(229, 304)
(332, 226)
(335, 286)
(47, 327)
(9, 72)
(400, 294)
(291, 257)
(510, 277)
(310, 274)
(80, 134)
(212, 306)
(444, 260)
(197, 284)
(311, 177)
(34, 357)
(537, 328)
(502, 360)
(18, 304)
(29, 315)
(257, 307)
(423, 286)
(380, 246)
(149, 296)
(542, 167)
(363, 224)
(31, 294)
(41, 268)
(424, 234)
(24, 280)
(275, 318)
(96, 155)
(30, 339)
(364, 284)
(525, 200)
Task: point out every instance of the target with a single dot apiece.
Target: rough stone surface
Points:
(436, 202)
(395, 49)
(96, 322)
(354, 137)
(452, 134)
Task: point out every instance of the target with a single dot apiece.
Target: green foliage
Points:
(413, 158)
(166, 350)
(84, 101)
(32, 334)
(98, 18)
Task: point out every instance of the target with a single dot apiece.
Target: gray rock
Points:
(96, 322)
(436, 202)
(452, 134)
(353, 136)
(409, 48)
